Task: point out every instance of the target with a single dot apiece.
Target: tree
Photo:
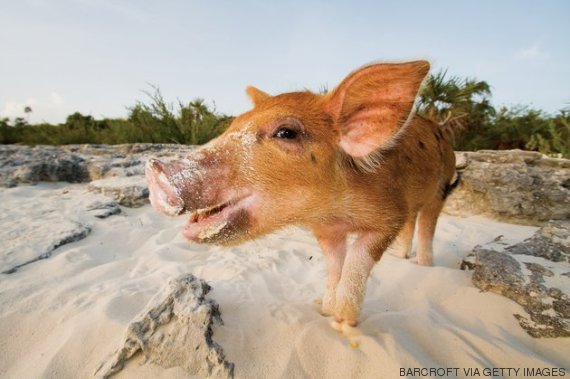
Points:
(451, 100)
(462, 105)
(27, 111)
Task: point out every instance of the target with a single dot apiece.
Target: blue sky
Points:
(96, 56)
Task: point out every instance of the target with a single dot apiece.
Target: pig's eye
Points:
(286, 133)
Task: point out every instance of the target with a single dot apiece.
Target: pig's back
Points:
(422, 160)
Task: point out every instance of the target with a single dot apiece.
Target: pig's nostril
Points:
(163, 195)
(154, 165)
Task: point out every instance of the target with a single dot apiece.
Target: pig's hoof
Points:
(402, 254)
(327, 309)
(347, 312)
(424, 262)
(349, 322)
(348, 331)
(336, 326)
(328, 303)
(322, 309)
(325, 312)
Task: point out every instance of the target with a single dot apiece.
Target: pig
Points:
(354, 161)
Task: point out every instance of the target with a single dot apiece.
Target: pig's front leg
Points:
(361, 257)
(334, 249)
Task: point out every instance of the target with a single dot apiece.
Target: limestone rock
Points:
(103, 209)
(78, 163)
(116, 171)
(130, 191)
(513, 185)
(175, 330)
(551, 242)
(47, 164)
(534, 273)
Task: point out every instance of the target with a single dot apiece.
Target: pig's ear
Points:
(256, 95)
(373, 103)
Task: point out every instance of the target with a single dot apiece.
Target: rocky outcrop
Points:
(78, 163)
(515, 186)
(175, 330)
(534, 273)
(116, 171)
(47, 164)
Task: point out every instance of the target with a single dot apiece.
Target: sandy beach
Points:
(62, 317)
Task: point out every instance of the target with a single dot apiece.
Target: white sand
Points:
(62, 317)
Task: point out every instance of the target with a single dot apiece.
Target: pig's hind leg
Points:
(427, 222)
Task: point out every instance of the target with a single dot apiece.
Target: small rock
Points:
(131, 191)
(461, 160)
(103, 209)
(175, 330)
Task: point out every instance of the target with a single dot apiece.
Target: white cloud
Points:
(532, 53)
(49, 108)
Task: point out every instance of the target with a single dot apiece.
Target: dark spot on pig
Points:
(408, 159)
(422, 146)
(438, 135)
(313, 158)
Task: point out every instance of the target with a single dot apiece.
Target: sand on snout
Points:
(63, 316)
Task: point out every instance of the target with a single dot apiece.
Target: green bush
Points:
(194, 123)
(554, 137)
(155, 122)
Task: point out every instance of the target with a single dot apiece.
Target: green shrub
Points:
(194, 123)
(155, 121)
(554, 137)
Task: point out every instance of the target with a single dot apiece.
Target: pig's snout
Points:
(164, 195)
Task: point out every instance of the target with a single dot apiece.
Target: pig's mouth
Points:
(202, 214)
(216, 223)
